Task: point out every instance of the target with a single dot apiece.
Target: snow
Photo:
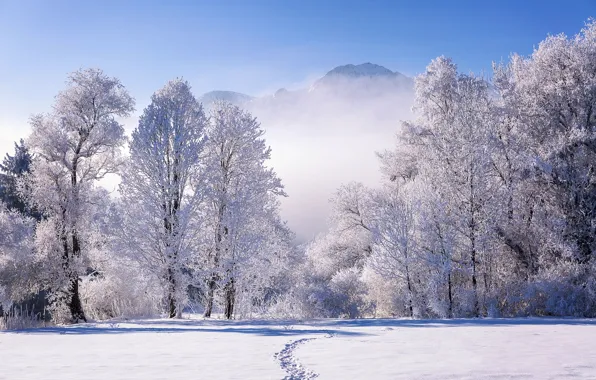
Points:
(488, 349)
(322, 349)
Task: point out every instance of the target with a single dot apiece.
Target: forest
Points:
(487, 207)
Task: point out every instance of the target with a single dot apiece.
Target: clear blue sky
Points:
(254, 46)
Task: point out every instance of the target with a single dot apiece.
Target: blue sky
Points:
(253, 46)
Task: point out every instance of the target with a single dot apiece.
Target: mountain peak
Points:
(363, 77)
(363, 70)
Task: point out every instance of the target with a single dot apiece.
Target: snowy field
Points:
(324, 349)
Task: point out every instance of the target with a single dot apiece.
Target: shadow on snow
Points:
(479, 322)
(286, 327)
(176, 327)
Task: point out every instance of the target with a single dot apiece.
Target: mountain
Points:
(364, 80)
(367, 77)
(357, 71)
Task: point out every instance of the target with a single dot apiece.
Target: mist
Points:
(327, 135)
(322, 136)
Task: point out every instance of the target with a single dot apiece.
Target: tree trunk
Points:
(172, 304)
(210, 292)
(450, 288)
(410, 294)
(214, 276)
(230, 292)
(75, 305)
(473, 248)
(475, 283)
(73, 299)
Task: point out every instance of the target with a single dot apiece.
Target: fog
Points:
(327, 135)
(321, 136)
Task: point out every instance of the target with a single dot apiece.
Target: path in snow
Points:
(290, 364)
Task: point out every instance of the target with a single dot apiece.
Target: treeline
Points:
(196, 219)
(489, 201)
(487, 207)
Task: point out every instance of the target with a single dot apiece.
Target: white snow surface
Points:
(322, 349)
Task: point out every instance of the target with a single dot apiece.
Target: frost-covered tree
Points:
(74, 146)
(452, 138)
(116, 283)
(394, 231)
(330, 282)
(544, 162)
(261, 254)
(553, 95)
(502, 182)
(242, 191)
(159, 188)
(12, 169)
(17, 257)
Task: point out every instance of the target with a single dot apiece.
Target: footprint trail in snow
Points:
(290, 364)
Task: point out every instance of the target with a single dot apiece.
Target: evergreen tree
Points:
(12, 169)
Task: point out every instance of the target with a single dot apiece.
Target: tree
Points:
(394, 230)
(12, 169)
(331, 284)
(553, 93)
(17, 257)
(241, 189)
(160, 188)
(75, 146)
(452, 136)
(489, 202)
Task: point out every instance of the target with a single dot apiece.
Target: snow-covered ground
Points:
(325, 349)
